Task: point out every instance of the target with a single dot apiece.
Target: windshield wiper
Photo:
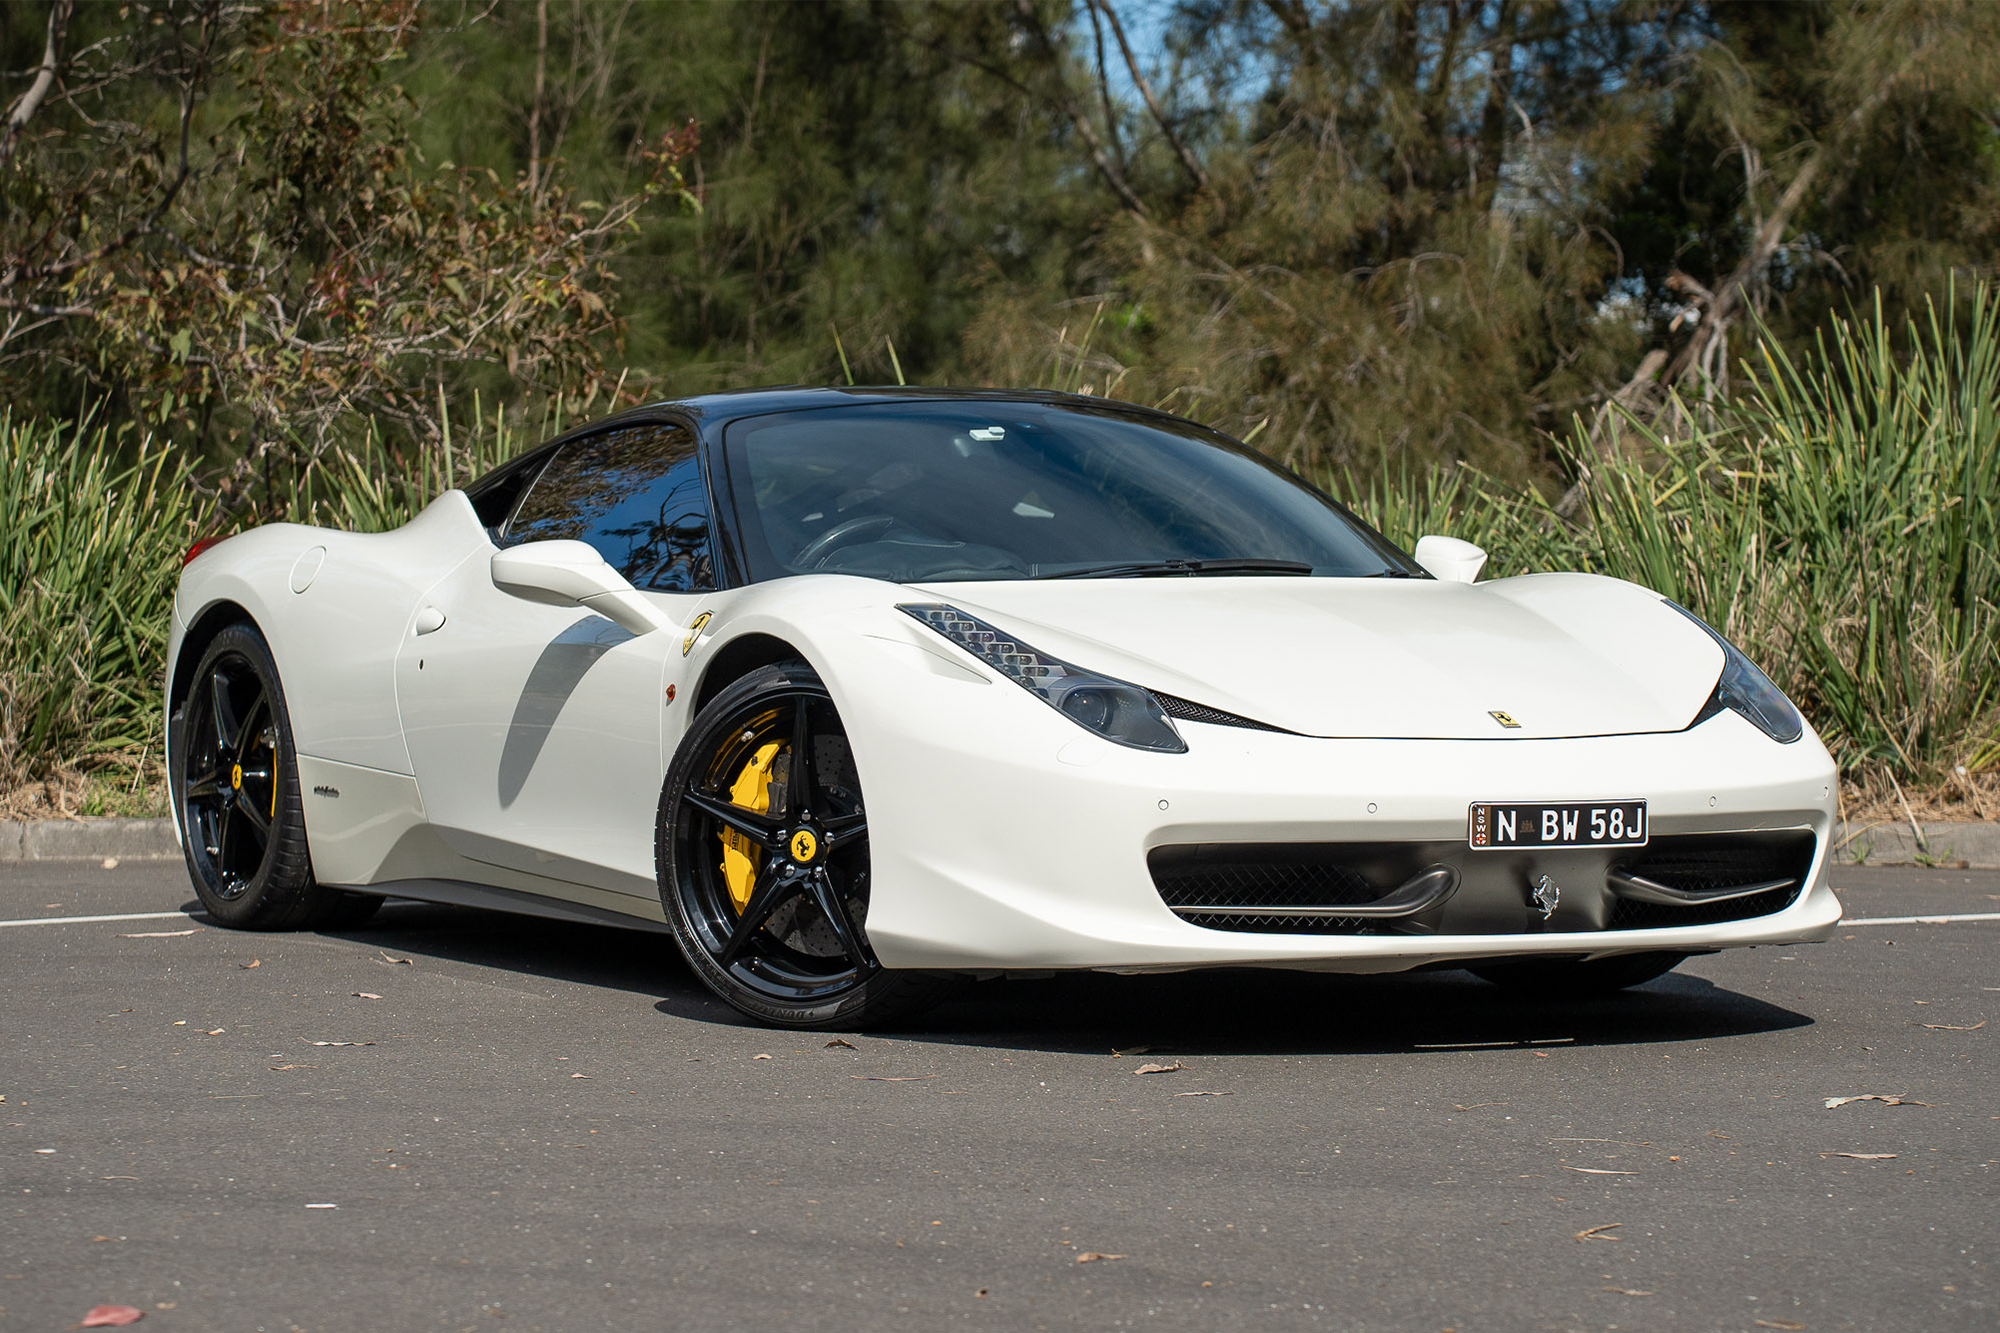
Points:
(1183, 568)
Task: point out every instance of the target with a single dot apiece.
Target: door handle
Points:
(429, 619)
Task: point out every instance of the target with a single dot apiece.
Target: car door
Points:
(534, 730)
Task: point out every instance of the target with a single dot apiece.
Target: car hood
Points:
(1559, 654)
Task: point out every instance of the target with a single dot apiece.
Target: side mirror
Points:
(1451, 560)
(568, 573)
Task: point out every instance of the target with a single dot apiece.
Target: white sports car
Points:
(857, 691)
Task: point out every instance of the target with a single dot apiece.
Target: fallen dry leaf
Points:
(889, 1078)
(112, 1316)
(407, 962)
(1785, 1324)
(1540, 1055)
(343, 1043)
(1150, 1068)
(1627, 1291)
(295, 1066)
(1204, 1094)
(1092, 1256)
(110, 863)
(214, 1032)
(1953, 1027)
(760, 1057)
(364, 995)
(1599, 1171)
(1832, 1102)
(1862, 1156)
(1597, 1233)
(149, 935)
(254, 962)
(843, 1044)
(579, 1076)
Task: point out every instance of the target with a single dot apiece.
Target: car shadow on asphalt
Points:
(1241, 1011)
(1265, 1012)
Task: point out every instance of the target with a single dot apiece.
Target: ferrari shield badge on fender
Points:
(694, 632)
(1504, 719)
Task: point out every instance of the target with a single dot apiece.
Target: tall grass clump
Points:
(92, 539)
(1840, 521)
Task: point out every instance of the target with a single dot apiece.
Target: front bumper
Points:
(1003, 837)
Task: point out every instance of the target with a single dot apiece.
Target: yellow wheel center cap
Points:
(804, 846)
(236, 776)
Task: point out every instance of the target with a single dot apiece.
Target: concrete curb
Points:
(88, 839)
(1968, 843)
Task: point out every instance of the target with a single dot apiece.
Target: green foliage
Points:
(1840, 522)
(89, 551)
(232, 238)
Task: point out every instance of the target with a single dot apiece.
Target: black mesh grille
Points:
(1709, 862)
(1189, 711)
(1325, 875)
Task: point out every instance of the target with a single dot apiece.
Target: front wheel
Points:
(1578, 978)
(763, 860)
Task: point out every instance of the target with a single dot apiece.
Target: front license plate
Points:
(1563, 824)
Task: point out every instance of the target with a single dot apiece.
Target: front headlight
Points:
(1746, 690)
(1114, 709)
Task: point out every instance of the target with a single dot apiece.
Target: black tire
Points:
(1578, 978)
(785, 939)
(236, 796)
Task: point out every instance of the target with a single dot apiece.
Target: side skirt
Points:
(458, 893)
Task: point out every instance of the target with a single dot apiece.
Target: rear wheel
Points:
(236, 795)
(763, 860)
(1578, 978)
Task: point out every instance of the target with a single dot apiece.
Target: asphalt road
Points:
(548, 1127)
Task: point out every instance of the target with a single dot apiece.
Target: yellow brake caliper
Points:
(752, 791)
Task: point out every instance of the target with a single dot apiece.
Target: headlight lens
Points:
(1114, 709)
(1746, 690)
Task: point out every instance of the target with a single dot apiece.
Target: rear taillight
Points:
(197, 549)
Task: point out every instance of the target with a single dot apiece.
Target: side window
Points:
(635, 494)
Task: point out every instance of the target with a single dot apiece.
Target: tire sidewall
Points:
(285, 875)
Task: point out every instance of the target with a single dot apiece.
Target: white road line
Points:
(86, 920)
(1918, 920)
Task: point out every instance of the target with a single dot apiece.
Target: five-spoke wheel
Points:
(236, 794)
(763, 851)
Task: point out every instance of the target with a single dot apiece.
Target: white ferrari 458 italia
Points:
(857, 691)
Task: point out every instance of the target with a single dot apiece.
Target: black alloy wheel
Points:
(236, 795)
(763, 859)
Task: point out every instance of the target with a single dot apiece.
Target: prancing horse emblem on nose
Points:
(1545, 896)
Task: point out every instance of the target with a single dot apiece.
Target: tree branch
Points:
(1188, 159)
(1077, 117)
(31, 101)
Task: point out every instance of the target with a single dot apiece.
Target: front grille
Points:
(1708, 863)
(1279, 876)
(1189, 711)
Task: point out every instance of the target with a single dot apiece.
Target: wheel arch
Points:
(737, 659)
(212, 620)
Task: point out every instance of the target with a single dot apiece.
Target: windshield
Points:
(953, 490)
